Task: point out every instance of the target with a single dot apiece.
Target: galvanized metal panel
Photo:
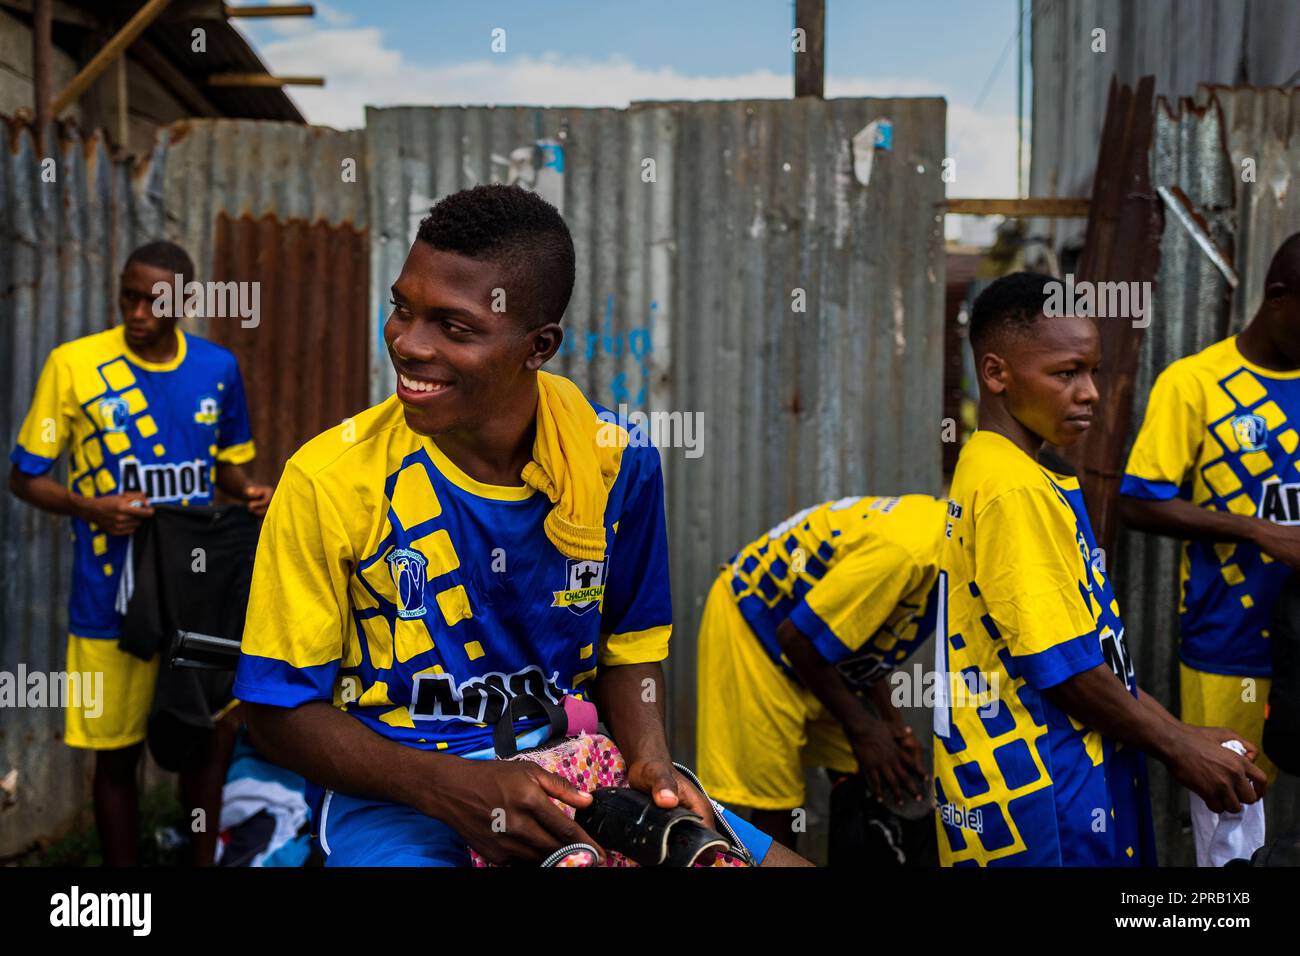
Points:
(255, 168)
(682, 300)
(305, 364)
(1182, 43)
(1193, 308)
(63, 240)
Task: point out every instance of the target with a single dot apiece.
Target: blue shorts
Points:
(355, 832)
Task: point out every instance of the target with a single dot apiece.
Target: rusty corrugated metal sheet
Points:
(305, 365)
(64, 236)
(1198, 149)
(1182, 43)
(284, 205)
(683, 296)
(1122, 245)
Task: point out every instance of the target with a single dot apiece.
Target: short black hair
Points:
(519, 230)
(1284, 268)
(1012, 303)
(163, 255)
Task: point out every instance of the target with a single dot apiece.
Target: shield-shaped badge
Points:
(584, 588)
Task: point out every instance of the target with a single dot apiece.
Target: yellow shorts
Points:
(113, 710)
(756, 728)
(1216, 700)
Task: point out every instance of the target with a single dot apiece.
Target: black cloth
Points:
(865, 833)
(1281, 741)
(190, 571)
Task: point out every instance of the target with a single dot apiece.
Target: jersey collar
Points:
(168, 366)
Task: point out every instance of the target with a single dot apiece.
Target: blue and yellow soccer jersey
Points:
(855, 576)
(420, 600)
(1026, 606)
(1223, 434)
(131, 425)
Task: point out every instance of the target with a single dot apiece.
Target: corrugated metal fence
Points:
(1182, 43)
(1193, 308)
(695, 225)
(67, 222)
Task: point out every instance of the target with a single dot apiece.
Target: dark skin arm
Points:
(886, 751)
(234, 481)
(122, 514)
(502, 808)
(630, 700)
(1178, 518)
(114, 514)
(1223, 779)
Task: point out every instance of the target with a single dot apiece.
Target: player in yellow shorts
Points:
(1217, 464)
(146, 414)
(798, 627)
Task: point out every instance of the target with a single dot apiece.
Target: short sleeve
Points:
(234, 434)
(857, 596)
(1029, 573)
(298, 608)
(47, 429)
(637, 615)
(1168, 442)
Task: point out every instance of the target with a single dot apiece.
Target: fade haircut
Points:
(1011, 305)
(519, 231)
(163, 255)
(1284, 268)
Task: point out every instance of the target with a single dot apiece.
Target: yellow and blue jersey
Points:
(420, 600)
(1223, 434)
(856, 576)
(1027, 604)
(131, 425)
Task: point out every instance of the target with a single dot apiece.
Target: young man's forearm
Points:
(232, 479)
(1098, 699)
(1178, 518)
(630, 698)
(822, 678)
(338, 752)
(42, 491)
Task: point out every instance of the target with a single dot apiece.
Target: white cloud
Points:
(360, 70)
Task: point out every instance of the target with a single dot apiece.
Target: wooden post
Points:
(105, 57)
(42, 65)
(123, 124)
(809, 66)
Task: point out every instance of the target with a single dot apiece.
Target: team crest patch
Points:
(1251, 432)
(115, 414)
(208, 411)
(586, 586)
(409, 570)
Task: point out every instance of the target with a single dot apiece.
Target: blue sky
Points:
(609, 52)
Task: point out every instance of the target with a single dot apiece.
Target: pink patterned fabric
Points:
(588, 761)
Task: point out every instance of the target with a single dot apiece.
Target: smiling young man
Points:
(1044, 765)
(477, 536)
(148, 414)
(1217, 464)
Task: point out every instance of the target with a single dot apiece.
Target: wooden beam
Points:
(809, 65)
(42, 66)
(282, 10)
(1045, 206)
(63, 12)
(262, 80)
(172, 79)
(105, 57)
